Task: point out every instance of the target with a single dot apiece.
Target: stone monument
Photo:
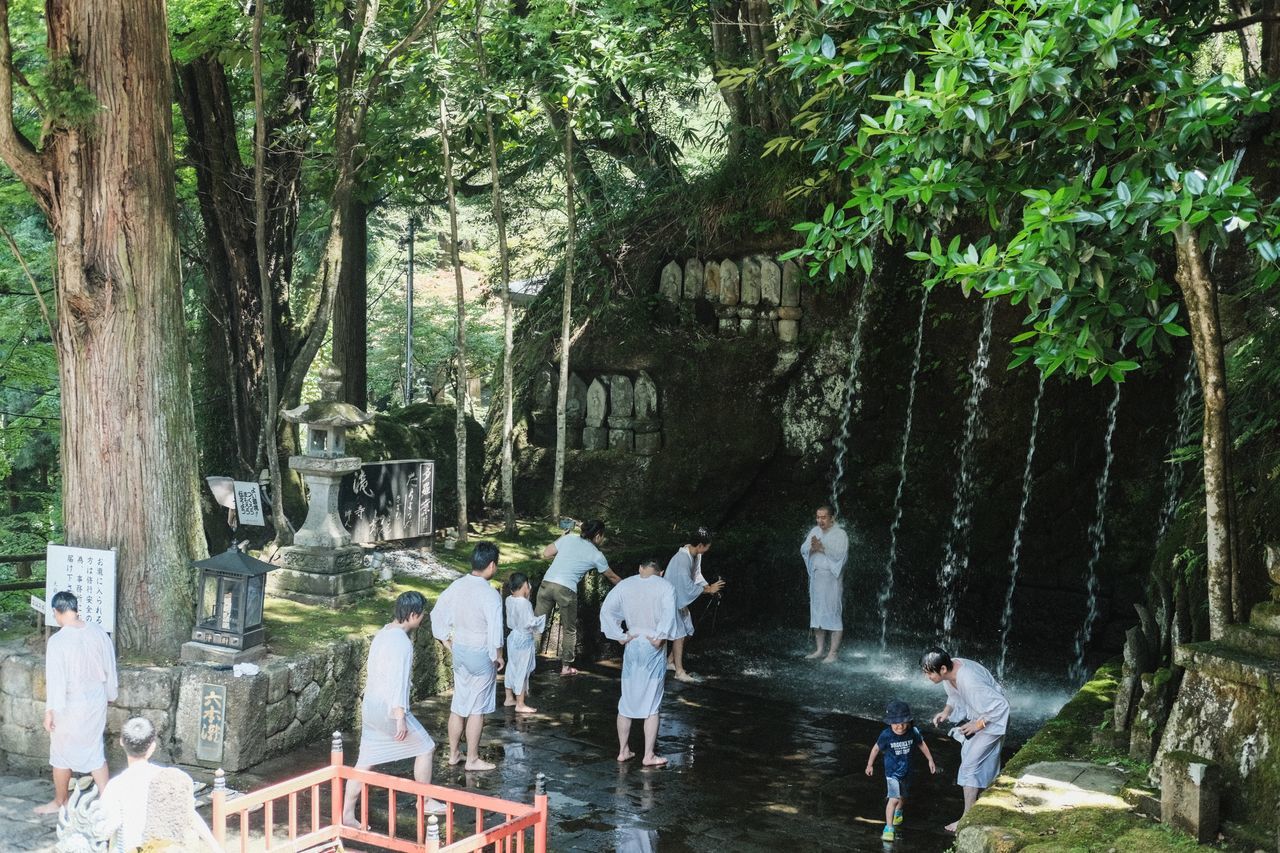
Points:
(595, 435)
(648, 427)
(322, 566)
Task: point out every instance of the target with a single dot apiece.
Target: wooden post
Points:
(219, 806)
(540, 802)
(335, 796)
(433, 834)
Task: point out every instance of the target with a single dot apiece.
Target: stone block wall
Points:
(290, 702)
(751, 296)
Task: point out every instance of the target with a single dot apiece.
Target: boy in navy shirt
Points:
(897, 743)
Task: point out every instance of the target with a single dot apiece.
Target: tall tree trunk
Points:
(504, 274)
(566, 317)
(460, 373)
(128, 431)
(350, 306)
(1201, 299)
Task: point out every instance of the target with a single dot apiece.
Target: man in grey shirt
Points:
(572, 556)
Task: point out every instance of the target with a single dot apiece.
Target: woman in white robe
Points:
(80, 679)
(467, 619)
(524, 627)
(825, 551)
(684, 573)
(646, 604)
(388, 732)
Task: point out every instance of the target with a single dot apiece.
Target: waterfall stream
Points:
(851, 398)
(956, 559)
(886, 590)
(1015, 553)
(1181, 437)
(1097, 539)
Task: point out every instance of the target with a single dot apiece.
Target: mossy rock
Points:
(427, 431)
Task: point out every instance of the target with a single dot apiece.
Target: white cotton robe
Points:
(684, 573)
(520, 649)
(825, 567)
(389, 672)
(976, 694)
(470, 613)
(80, 677)
(648, 607)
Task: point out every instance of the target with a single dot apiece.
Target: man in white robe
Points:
(80, 679)
(646, 604)
(825, 551)
(973, 696)
(684, 573)
(467, 619)
(388, 732)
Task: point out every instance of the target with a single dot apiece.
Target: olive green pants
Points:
(550, 596)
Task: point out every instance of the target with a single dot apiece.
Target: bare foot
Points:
(951, 827)
(525, 709)
(480, 765)
(354, 824)
(568, 670)
(50, 807)
(814, 655)
(654, 761)
(830, 659)
(626, 755)
(688, 678)
(510, 703)
(454, 759)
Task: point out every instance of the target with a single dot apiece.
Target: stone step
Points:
(1252, 639)
(1224, 661)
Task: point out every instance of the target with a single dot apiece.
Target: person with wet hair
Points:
(646, 605)
(521, 642)
(467, 619)
(684, 573)
(80, 680)
(825, 551)
(388, 732)
(572, 556)
(976, 699)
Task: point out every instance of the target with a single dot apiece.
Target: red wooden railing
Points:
(290, 831)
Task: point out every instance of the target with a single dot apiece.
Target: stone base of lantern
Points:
(194, 652)
(325, 576)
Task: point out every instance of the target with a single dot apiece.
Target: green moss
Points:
(1069, 735)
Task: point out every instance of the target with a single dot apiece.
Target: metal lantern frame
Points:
(230, 598)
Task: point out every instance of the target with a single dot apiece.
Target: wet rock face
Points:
(748, 427)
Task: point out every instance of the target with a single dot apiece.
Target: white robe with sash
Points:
(976, 694)
(684, 573)
(648, 608)
(520, 650)
(470, 612)
(388, 674)
(825, 567)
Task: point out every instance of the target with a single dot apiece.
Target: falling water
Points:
(956, 559)
(851, 398)
(1015, 553)
(1181, 437)
(886, 591)
(1097, 538)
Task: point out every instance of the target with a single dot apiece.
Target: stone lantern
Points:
(322, 566)
(228, 609)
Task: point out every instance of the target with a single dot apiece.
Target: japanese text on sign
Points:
(90, 575)
(213, 722)
(249, 504)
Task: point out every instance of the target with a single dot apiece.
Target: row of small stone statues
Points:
(614, 412)
(752, 296)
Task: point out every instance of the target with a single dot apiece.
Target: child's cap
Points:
(897, 711)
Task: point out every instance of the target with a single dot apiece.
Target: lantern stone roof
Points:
(328, 411)
(233, 561)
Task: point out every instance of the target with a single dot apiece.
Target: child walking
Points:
(897, 742)
(524, 626)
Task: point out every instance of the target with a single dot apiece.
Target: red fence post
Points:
(540, 803)
(219, 807)
(335, 761)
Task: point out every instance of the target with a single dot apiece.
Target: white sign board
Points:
(249, 504)
(90, 574)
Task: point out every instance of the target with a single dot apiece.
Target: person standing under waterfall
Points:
(973, 696)
(467, 620)
(80, 679)
(646, 604)
(572, 556)
(825, 551)
(388, 732)
(684, 573)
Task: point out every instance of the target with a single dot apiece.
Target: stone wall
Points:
(616, 411)
(290, 702)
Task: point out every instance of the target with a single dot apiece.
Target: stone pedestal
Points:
(595, 438)
(326, 576)
(648, 436)
(1190, 792)
(622, 439)
(193, 652)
